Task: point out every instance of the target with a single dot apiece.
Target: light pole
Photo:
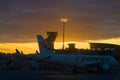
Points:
(63, 20)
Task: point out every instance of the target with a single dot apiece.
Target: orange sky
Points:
(32, 47)
(89, 21)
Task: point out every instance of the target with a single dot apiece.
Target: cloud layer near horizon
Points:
(21, 20)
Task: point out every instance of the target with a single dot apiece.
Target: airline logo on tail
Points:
(43, 46)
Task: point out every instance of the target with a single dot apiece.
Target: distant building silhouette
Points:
(71, 46)
(95, 48)
(106, 47)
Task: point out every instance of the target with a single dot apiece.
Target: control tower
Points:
(51, 38)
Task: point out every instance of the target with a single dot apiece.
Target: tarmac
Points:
(114, 74)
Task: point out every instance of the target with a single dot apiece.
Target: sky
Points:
(89, 21)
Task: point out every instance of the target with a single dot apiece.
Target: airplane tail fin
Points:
(17, 51)
(37, 52)
(43, 46)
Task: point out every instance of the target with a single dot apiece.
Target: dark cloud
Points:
(21, 20)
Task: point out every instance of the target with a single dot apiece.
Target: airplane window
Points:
(101, 59)
(77, 58)
(105, 59)
(48, 57)
(96, 58)
(88, 58)
(82, 58)
(91, 58)
(108, 59)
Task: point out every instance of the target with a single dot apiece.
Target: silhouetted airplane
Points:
(90, 62)
(18, 53)
(30, 58)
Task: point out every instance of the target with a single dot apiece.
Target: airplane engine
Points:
(105, 67)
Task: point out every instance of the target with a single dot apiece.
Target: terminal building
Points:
(95, 48)
(104, 46)
(115, 49)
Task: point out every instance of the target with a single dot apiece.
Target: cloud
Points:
(21, 20)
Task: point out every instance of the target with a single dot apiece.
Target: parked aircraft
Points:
(90, 62)
(29, 58)
(18, 53)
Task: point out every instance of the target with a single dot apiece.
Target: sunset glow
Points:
(25, 47)
(88, 21)
(28, 48)
(109, 41)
